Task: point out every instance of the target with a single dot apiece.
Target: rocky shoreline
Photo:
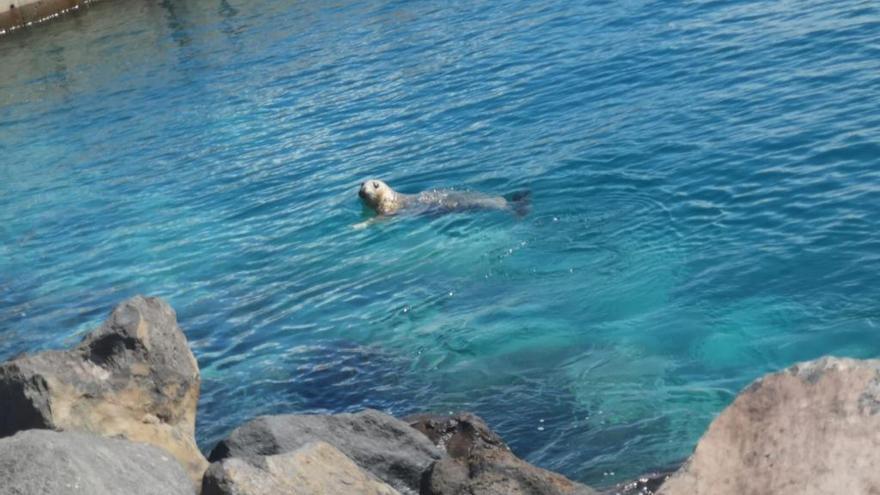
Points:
(116, 414)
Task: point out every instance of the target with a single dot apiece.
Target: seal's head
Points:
(380, 197)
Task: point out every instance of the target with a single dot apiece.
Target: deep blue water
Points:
(705, 178)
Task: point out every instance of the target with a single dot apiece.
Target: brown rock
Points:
(133, 377)
(811, 429)
(314, 469)
(480, 462)
(459, 434)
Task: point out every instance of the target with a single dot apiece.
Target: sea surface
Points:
(705, 179)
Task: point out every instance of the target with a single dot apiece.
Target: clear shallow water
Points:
(706, 200)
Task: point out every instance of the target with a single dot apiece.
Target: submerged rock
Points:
(314, 469)
(811, 429)
(380, 444)
(63, 463)
(133, 377)
(480, 462)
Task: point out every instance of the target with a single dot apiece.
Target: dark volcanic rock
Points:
(380, 444)
(480, 462)
(317, 468)
(133, 377)
(647, 484)
(811, 429)
(65, 463)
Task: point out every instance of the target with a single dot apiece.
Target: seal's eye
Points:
(375, 185)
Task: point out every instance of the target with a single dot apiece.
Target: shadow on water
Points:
(175, 15)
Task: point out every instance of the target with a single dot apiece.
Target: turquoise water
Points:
(706, 204)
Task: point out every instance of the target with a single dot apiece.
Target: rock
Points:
(380, 444)
(647, 484)
(496, 472)
(133, 377)
(316, 468)
(811, 429)
(480, 462)
(66, 463)
(458, 435)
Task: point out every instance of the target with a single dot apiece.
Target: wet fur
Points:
(384, 200)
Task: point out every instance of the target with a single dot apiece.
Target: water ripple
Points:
(705, 205)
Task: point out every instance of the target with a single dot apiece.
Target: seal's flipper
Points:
(521, 202)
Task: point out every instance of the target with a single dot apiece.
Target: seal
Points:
(385, 201)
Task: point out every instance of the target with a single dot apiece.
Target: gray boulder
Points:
(480, 462)
(133, 377)
(314, 469)
(66, 463)
(811, 429)
(380, 444)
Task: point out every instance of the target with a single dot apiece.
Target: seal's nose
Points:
(363, 190)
